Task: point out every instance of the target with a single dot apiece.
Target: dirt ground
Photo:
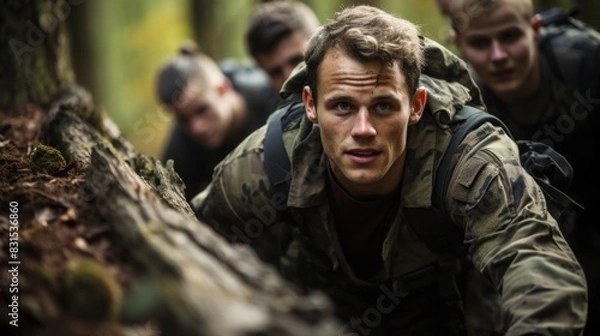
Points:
(49, 234)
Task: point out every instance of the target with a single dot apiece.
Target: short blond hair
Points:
(461, 12)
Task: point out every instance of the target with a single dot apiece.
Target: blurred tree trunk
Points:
(34, 53)
(215, 23)
(83, 50)
(204, 21)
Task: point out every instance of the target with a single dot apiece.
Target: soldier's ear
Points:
(536, 24)
(309, 105)
(224, 86)
(418, 106)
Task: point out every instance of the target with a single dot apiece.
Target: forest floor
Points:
(48, 231)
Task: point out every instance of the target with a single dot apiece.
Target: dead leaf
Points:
(68, 216)
(44, 216)
(81, 244)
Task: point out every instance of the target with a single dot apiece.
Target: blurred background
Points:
(118, 45)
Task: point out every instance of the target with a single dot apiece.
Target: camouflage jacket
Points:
(511, 238)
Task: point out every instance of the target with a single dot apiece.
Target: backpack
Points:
(571, 48)
(254, 85)
(550, 169)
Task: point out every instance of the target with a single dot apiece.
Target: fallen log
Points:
(190, 280)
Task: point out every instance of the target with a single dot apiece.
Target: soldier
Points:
(364, 150)
(276, 37)
(215, 106)
(540, 74)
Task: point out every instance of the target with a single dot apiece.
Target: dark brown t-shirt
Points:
(361, 226)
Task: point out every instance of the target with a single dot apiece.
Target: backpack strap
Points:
(276, 161)
(466, 120)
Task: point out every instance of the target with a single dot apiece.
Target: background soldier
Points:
(540, 74)
(215, 106)
(277, 35)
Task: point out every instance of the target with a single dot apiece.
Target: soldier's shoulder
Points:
(486, 145)
(252, 145)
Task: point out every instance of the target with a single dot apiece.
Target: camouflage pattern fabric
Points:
(513, 242)
(568, 112)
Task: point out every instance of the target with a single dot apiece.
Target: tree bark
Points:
(84, 54)
(34, 53)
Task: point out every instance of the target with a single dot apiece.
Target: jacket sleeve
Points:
(238, 203)
(514, 241)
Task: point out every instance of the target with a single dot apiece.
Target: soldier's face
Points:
(203, 115)
(501, 46)
(279, 63)
(363, 111)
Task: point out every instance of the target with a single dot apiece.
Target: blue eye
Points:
(343, 106)
(383, 107)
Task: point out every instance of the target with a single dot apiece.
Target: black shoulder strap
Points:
(276, 161)
(277, 164)
(466, 120)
